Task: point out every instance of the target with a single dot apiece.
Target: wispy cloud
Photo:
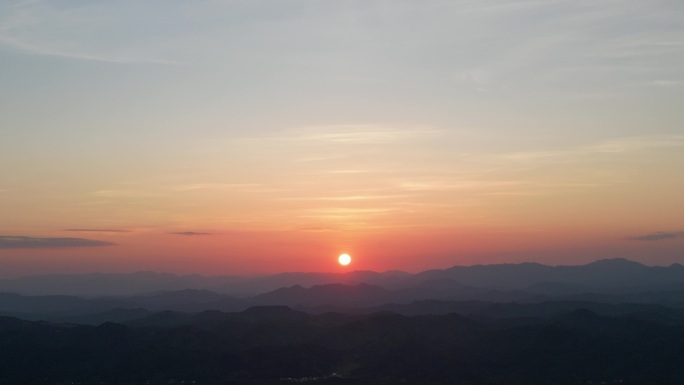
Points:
(350, 134)
(347, 214)
(460, 185)
(244, 187)
(126, 193)
(347, 198)
(43, 28)
(632, 144)
(659, 236)
(316, 229)
(190, 233)
(21, 242)
(36, 48)
(608, 146)
(603, 46)
(664, 83)
(98, 230)
(362, 134)
(501, 6)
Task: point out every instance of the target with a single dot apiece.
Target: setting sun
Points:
(344, 259)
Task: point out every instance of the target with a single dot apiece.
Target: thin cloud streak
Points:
(574, 46)
(98, 230)
(28, 16)
(659, 236)
(344, 198)
(22, 242)
(610, 146)
(46, 51)
(348, 134)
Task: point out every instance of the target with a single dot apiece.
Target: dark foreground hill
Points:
(277, 345)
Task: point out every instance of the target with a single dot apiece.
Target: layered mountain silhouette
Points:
(435, 291)
(612, 322)
(606, 281)
(604, 275)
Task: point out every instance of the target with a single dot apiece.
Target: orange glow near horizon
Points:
(214, 252)
(400, 216)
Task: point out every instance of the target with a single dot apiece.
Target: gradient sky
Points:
(260, 136)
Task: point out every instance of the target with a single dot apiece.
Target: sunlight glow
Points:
(344, 259)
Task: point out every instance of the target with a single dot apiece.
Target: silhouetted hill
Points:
(115, 315)
(273, 312)
(557, 288)
(607, 281)
(605, 276)
(189, 300)
(56, 305)
(360, 295)
(107, 284)
(264, 345)
(349, 297)
(165, 318)
(607, 273)
(611, 321)
(89, 310)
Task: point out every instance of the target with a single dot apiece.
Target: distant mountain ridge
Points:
(607, 281)
(604, 274)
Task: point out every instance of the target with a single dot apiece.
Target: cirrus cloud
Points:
(97, 230)
(659, 236)
(22, 242)
(190, 233)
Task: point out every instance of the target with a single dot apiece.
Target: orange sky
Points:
(250, 139)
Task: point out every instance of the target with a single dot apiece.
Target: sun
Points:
(344, 259)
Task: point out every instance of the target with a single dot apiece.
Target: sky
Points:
(231, 137)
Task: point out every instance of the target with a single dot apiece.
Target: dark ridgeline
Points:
(612, 322)
(270, 344)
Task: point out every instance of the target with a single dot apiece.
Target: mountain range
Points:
(607, 282)
(608, 275)
(612, 322)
